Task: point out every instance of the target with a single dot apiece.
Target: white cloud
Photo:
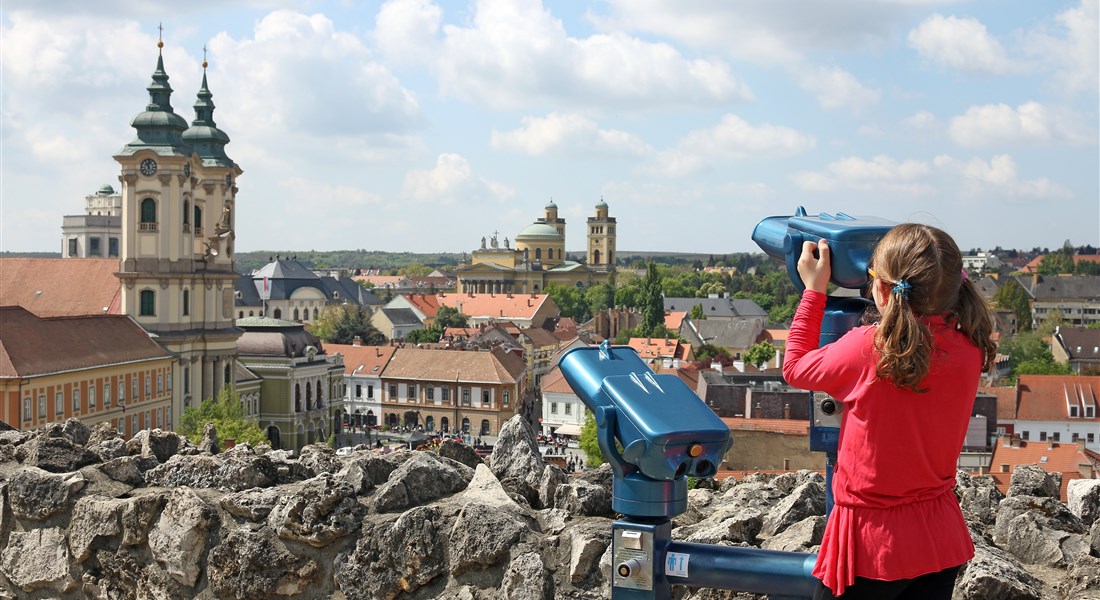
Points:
(515, 52)
(406, 31)
(1072, 51)
(731, 138)
(573, 134)
(923, 121)
(960, 43)
(881, 173)
(452, 180)
(998, 176)
(836, 88)
(325, 196)
(1029, 123)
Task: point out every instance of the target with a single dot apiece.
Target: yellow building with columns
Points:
(538, 259)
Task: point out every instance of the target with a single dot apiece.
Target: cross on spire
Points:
(160, 35)
(204, 57)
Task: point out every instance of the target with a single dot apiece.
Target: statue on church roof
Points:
(493, 241)
(482, 242)
(506, 244)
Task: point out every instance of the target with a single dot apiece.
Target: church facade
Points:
(539, 260)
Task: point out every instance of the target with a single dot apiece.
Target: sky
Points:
(421, 126)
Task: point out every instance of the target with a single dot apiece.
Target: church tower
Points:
(553, 220)
(601, 240)
(177, 267)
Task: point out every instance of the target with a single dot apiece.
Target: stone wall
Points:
(86, 514)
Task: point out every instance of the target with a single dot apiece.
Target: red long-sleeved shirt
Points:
(894, 515)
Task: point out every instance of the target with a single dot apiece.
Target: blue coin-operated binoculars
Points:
(655, 432)
(851, 242)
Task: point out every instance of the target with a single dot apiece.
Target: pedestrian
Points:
(907, 384)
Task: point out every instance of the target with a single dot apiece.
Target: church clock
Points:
(148, 167)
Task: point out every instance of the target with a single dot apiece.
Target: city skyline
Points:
(418, 126)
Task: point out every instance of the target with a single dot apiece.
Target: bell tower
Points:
(601, 240)
(176, 258)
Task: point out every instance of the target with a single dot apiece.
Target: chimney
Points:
(1086, 470)
(717, 366)
(1050, 444)
(786, 464)
(983, 470)
(357, 341)
(1014, 441)
(787, 411)
(739, 365)
(1081, 444)
(378, 352)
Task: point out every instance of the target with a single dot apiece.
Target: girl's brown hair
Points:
(928, 261)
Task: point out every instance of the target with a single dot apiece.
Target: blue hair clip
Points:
(901, 288)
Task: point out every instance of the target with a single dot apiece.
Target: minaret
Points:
(176, 262)
(601, 239)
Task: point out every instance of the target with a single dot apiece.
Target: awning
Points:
(568, 429)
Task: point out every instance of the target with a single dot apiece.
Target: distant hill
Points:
(7, 254)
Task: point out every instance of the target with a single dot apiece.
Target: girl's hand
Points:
(815, 270)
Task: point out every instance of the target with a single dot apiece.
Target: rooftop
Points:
(61, 287)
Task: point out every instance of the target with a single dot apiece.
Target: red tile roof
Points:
(777, 335)
(61, 287)
(1052, 457)
(372, 359)
(1006, 401)
(566, 329)
(783, 426)
(674, 320)
(31, 346)
(427, 304)
(497, 306)
(1033, 265)
(1045, 397)
(555, 382)
(653, 348)
(498, 366)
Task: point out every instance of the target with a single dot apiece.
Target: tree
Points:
(416, 270)
(227, 415)
(588, 442)
(697, 313)
(1011, 296)
(1051, 321)
(760, 353)
(570, 300)
(340, 324)
(708, 353)
(600, 297)
(447, 316)
(653, 302)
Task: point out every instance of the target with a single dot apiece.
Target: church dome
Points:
(602, 204)
(539, 231)
(106, 190)
(264, 336)
(551, 206)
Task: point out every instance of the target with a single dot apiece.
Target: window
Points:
(278, 313)
(485, 398)
(411, 392)
(27, 408)
(187, 380)
(106, 395)
(393, 391)
(1090, 438)
(1090, 412)
(121, 391)
(133, 424)
(1026, 435)
(186, 302)
(430, 393)
(1056, 436)
(358, 391)
(148, 211)
(93, 246)
(76, 398)
(59, 403)
(370, 391)
(134, 388)
(538, 253)
(160, 383)
(1075, 437)
(465, 397)
(1042, 436)
(445, 395)
(112, 247)
(296, 317)
(505, 398)
(148, 386)
(91, 395)
(568, 408)
(553, 408)
(198, 219)
(1073, 411)
(147, 303)
(42, 406)
(72, 247)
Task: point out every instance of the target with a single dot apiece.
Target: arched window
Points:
(538, 253)
(484, 427)
(444, 424)
(252, 313)
(465, 425)
(186, 212)
(550, 254)
(186, 302)
(320, 396)
(297, 397)
(595, 257)
(148, 211)
(296, 318)
(429, 422)
(198, 217)
(309, 396)
(278, 314)
(314, 314)
(147, 304)
(241, 315)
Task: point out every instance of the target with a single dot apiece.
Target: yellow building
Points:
(538, 259)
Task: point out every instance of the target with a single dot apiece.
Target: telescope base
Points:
(638, 496)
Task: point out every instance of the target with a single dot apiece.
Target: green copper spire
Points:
(204, 135)
(158, 127)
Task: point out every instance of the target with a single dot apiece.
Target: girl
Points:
(908, 386)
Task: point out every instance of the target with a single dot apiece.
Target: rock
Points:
(93, 519)
(582, 498)
(726, 525)
(806, 500)
(1083, 499)
(109, 449)
(118, 575)
(699, 502)
(178, 541)
(256, 565)
(1034, 528)
(586, 546)
(323, 510)
(138, 516)
(76, 431)
(54, 454)
(1032, 480)
(14, 437)
(1094, 537)
(226, 472)
(423, 478)
(209, 442)
(254, 505)
(481, 537)
(1083, 580)
(461, 452)
(516, 461)
(979, 497)
(155, 442)
(36, 495)
(365, 473)
(97, 483)
(391, 558)
(800, 537)
(128, 469)
(994, 574)
(525, 579)
(552, 478)
(786, 483)
(102, 432)
(319, 458)
(38, 560)
(484, 489)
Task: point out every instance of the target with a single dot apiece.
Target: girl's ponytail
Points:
(903, 343)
